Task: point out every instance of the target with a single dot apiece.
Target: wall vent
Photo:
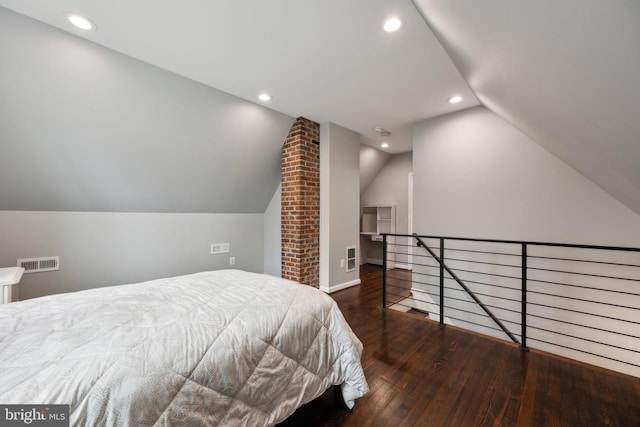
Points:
(37, 265)
(219, 248)
(351, 258)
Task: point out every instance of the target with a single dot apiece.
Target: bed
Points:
(213, 348)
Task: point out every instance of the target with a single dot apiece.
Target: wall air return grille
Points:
(219, 248)
(37, 265)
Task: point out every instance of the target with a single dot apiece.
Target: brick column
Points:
(301, 203)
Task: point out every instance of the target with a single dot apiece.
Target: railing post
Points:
(523, 311)
(384, 271)
(441, 282)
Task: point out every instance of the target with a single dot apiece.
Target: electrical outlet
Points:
(232, 260)
(342, 263)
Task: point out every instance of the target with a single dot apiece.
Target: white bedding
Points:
(214, 348)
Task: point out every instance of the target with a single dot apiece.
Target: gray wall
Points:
(87, 134)
(104, 249)
(477, 176)
(273, 236)
(339, 204)
(83, 128)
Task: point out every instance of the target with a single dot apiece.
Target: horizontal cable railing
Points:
(578, 301)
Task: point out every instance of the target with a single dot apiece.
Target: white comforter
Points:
(216, 348)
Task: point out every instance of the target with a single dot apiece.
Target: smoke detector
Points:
(383, 132)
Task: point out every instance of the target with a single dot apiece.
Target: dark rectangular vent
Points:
(37, 265)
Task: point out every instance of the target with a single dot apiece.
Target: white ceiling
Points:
(326, 60)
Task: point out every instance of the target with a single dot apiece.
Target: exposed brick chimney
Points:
(301, 203)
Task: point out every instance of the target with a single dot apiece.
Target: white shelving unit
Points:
(375, 220)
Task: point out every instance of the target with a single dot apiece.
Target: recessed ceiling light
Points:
(384, 145)
(265, 97)
(392, 24)
(454, 99)
(81, 22)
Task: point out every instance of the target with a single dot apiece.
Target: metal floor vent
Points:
(37, 265)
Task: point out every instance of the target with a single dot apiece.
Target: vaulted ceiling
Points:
(327, 60)
(565, 73)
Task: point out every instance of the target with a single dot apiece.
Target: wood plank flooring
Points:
(423, 375)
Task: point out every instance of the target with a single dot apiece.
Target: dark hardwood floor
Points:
(423, 375)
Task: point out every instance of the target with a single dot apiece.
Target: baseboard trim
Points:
(403, 266)
(340, 287)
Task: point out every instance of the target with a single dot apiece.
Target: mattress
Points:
(214, 348)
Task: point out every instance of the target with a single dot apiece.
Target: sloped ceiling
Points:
(327, 60)
(84, 128)
(566, 73)
(372, 161)
(157, 110)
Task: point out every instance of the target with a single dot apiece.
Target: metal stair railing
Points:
(421, 243)
(578, 301)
